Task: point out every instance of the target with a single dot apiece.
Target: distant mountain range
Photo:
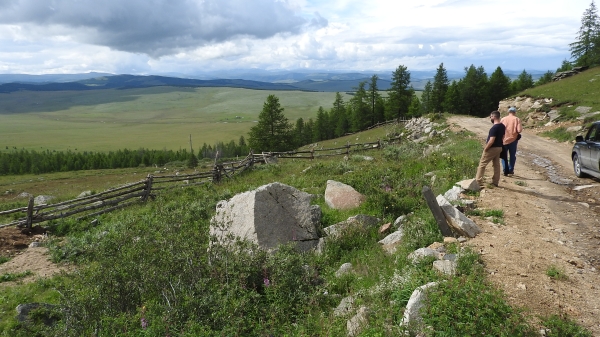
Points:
(248, 79)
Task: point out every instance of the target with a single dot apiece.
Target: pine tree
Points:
(426, 98)
(499, 86)
(361, 114)
(400, 94)
(438, 90)
(373, 95)
(273, 131)
(586, 50)
(475, 92)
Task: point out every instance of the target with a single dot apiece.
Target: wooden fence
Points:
(133, 193)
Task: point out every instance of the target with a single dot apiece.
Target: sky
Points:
(195, 36)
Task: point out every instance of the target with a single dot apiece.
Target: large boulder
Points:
(270, 215)
(341, 196)
(457, 220)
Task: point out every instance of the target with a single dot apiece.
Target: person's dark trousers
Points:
(511, 149)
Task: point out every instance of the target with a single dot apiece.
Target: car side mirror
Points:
(579, 139)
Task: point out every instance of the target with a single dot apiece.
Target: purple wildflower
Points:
(144, 323)
(266, 282)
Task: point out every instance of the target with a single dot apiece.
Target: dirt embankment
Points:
(551, 220)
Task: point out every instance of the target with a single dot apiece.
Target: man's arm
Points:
(489, 144)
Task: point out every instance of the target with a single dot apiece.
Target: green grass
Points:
(556, 273)
(9, 277)
(561, 134)
(569, 93)
(153, 118)
(152, 261)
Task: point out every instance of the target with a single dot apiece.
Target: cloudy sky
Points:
(191, 36)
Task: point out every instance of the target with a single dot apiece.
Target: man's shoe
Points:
(511, 173)
(505, 174)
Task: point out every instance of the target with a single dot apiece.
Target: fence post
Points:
(251, 158)
(347, 147)
(437, 212)
(312, 154)
(379, 143)
(216, 173)
(30, 212)
(148, 188)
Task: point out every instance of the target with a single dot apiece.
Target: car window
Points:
(593, 133)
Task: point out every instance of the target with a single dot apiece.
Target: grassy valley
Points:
(153, 118)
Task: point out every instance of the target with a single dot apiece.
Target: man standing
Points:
(511, 138)
(492, 150)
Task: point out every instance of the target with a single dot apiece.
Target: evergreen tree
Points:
(453, 101)
(321, 125)
(566, 65)
(475, 92)
(374, 98)
(426, 98)
(586, 49)
(361, 114)
(499, 86)
(338, 118)
(546, 78)
(438, 90)
(400, 94)
(523, 82)
(273, 131)
(414, 109)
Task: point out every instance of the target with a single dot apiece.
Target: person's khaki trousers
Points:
(491, 155)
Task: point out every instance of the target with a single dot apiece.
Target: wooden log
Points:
(16, 210)
(437, 212)
(89, 201)
(30, 212)
(148, 187)
(127, 204)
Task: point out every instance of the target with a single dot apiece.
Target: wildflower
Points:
(266, 282)
(144, 323)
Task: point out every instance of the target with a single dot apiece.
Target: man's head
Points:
(494, 116)
(512, 110)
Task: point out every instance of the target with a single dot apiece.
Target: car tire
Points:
(577, 167)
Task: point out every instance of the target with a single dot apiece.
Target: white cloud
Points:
(188, 36)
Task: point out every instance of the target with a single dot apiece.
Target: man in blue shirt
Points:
(492, 150)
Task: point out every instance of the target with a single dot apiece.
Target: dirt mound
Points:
(13, 239)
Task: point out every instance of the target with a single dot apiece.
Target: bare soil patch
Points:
(550, 220)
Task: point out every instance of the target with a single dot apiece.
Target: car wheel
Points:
(577, 166)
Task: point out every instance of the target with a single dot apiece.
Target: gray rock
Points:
(421, 253)
(24, 195)
(341, 196)
(393, 238)
(84, 194)
(583, 109)
(469, 185)
(417, 300)
(34, 244)
(346, 306)
(553, 115)
(445, 266)
(399, 221)
(356, 324)
(358, 220)
(574, 128)
(344, 269)
(453, 194)
(47, 318)
(457, 220)
(272, 214)
(42, 199)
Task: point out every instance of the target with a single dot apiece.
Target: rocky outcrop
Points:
(272, 214)
(564, 74)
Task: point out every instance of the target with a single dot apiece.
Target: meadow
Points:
(152, 118)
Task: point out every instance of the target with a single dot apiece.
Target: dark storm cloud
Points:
(156, 27)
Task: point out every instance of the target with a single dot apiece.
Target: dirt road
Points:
(551, 220)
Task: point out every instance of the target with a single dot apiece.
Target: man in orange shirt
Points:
(510, 140)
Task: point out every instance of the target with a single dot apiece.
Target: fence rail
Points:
(139, 192)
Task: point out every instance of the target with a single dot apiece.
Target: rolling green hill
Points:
(154, 118)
